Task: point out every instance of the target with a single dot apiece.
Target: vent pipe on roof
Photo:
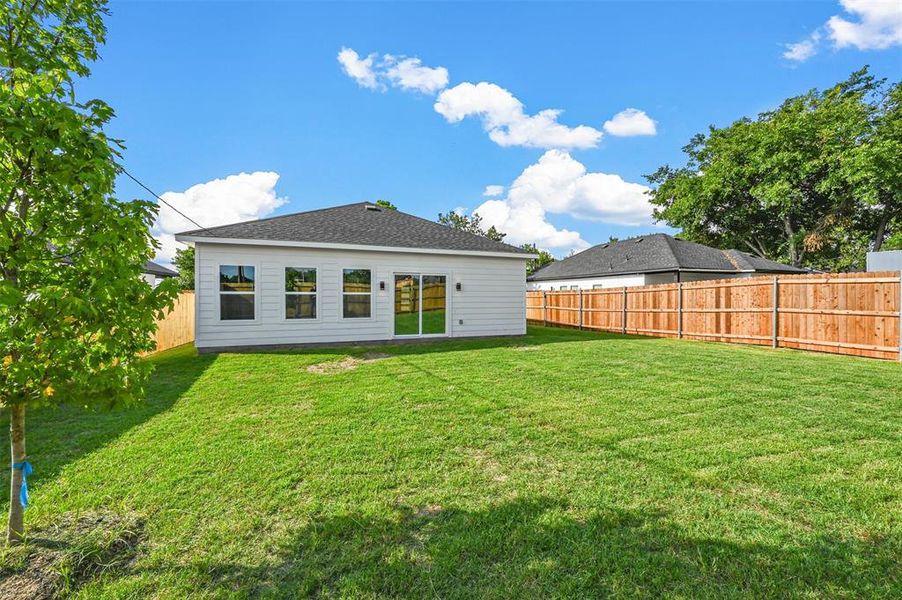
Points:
(372, 207)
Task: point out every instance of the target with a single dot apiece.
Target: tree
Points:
(386, 204)
(74, 309)
(534, 264)
(471, 224)
(814, 182)
(183, 261)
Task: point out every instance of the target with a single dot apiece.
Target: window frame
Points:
(342, 293)
(219, 292)
(317, 293)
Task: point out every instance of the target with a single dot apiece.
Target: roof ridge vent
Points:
(639, 240)
(372, 207)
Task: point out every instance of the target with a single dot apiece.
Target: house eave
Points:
(195, 239)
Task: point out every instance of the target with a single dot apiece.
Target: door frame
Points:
(420, 334)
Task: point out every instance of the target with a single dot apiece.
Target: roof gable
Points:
(360, 224)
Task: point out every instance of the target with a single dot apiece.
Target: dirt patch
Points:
(526, 348)
(58, 560)
(486, 463)
(427, 512)
(346, 364)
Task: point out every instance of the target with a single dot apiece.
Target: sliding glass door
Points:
(407, 304)
(433, 305)
(420, 304)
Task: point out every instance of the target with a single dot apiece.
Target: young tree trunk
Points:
(16, 525)
(881, 231)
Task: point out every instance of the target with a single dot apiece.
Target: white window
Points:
(300, 293)
(357, 294)
(236, 292)
(597, 286)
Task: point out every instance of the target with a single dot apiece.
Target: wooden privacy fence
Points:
(177, 327)
(853, 313)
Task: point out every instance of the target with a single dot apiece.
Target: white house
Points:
(353, 273)
(649, 260)
(154, 273)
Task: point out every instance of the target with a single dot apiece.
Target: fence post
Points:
(679, 309)
(774, 319)
(623, 316)
(580, 308)
(545, 308)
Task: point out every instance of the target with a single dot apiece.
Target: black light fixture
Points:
(457, 286)
(381, 286)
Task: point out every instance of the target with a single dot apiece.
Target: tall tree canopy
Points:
(471, 224)
(183, 261)
(74, 310)
(815, 182)
(534, 264)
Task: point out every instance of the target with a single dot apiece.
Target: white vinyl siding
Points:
(491, 301)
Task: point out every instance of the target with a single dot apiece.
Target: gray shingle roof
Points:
(360, 224)
(158, 270)
(655, 253)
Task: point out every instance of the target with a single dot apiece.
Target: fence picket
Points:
(857, 313)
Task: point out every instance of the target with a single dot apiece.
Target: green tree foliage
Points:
(75, 312)
(814, 182)
(471, 224)
(535, 264)
(183, 261)
(386, 204)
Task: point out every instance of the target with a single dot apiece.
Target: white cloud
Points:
(410, 74)
(559, 184)
(493, 190)
(631, 121)
(503, 116)
(802, 51)
(242, 197)
(878, 25)
(870, 25)
(406, 73)
(507, 123)
(359, 69)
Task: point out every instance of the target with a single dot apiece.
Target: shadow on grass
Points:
(536, 336)
(534, 548)
(56, 436)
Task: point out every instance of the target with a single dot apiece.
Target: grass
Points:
(409, 323)
(564, 464)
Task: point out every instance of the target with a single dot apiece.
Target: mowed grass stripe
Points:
(566, 463)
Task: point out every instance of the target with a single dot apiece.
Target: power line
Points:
(155, 195)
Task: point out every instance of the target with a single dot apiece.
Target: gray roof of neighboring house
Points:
(362, 224)
(153, 268)
(655, 253)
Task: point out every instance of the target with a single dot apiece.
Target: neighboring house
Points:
(154, 273)
(887, 260)
(352, 273)
(647, 260)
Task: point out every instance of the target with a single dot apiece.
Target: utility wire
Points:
(155, 195)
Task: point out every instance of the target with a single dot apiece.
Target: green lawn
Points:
(565, 464)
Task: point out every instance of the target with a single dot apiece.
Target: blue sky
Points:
(207, 91)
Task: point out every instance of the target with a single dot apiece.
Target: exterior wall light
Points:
(457, 286)
(381, 286)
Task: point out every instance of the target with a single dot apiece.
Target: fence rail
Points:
(857, 313)
(177, 327)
